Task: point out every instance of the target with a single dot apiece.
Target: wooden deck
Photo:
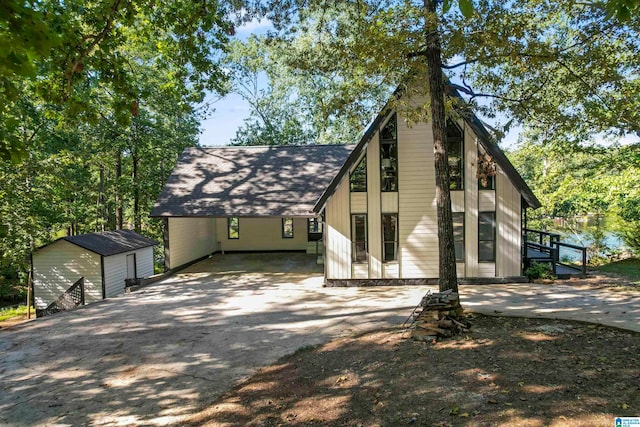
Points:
(548, 252)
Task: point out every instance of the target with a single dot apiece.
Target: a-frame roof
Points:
(250, 181)
(110, 243)
(484, 138)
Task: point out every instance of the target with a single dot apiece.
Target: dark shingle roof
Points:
(110, 243)
(250, 181)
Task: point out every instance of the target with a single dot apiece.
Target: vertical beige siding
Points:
(190, 239)
(374, 218)
(460, 269)
(391, 270)
(389, 202)
(486, 269)
(359, 202)
(471, 203)
(418, 231)
(457, 201)
(58, 266)
(360, 271)
(115, 269)
(508, 223)
(263, 234)
(487, 200)
(338, 234)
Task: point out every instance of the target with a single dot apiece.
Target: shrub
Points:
(539, 271)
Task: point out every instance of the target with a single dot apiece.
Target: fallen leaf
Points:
(464, 415)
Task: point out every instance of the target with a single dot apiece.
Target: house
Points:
(104, 259)
(372, 204)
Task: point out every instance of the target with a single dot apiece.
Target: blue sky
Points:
(230, 111)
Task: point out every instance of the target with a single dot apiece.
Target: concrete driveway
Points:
(159, 353)
(155, 355)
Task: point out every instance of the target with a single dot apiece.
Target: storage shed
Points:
(104, 259)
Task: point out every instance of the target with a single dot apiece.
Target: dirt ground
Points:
(504, 372)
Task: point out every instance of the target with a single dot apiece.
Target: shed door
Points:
(131, 266)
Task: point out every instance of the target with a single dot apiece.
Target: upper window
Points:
(233, 228)
(390, 237)
(486, 172)
(487, 237)
(389, 155)
(359, 237)
(458, 234)
(287, 228)
(455, 150)
(358, 178)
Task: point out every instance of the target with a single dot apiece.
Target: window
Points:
(455, 150)
(486, 172)
(390, 237)
(287, 228)
(314, 229)
(358, 178)
(359, 237)
(389, 155)
(233, 228)
(487, 237)
(458, 235)
(488, 183)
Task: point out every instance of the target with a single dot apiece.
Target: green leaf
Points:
(446, 5)
(466, 7)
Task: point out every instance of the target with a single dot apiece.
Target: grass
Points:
(11, 312)
(628, 268)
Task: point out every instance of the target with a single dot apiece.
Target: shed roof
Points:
(110, 243)
(250, 181)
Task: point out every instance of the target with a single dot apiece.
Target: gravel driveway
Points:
(159, 353)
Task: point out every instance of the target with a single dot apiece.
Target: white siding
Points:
(190, 239)
(487, 200)
(460, 270)
(263, 234)
(360, 271)
(391, 270)
(374, 219)
(389, 202)
(418, 231)
(486, 269)
(359, 202)
(471, 203)
(115, 269)
(457, 201)
(508, 223)
(58, 266)
(338, 234)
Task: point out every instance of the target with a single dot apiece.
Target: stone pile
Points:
(441, 317)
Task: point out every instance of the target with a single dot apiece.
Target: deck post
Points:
(584, 261)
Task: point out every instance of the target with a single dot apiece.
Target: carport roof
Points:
(110, 243)
(255, 181)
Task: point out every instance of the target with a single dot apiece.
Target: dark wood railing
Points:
(544, 246)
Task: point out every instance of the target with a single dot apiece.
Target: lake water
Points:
(580, 232)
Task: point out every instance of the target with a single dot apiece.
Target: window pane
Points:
(233, 226)
(287, 228)
(455, 139)
(488, 184)
(358, 178)
(390, 237)
(359, 237)
(389, 155)
(485, 226)
(459, 245)
(486, 251)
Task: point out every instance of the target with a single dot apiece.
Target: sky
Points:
(230, 111)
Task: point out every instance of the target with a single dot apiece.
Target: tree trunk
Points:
(118, 200)
(447, 268)
(137, 218)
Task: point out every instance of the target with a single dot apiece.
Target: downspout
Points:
(104, 289)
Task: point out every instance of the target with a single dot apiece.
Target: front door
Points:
(131, 266)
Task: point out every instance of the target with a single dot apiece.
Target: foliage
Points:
(629, 268)
(596, 180)
(539, 271)
(11, 312)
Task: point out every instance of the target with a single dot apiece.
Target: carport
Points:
(238, 199)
